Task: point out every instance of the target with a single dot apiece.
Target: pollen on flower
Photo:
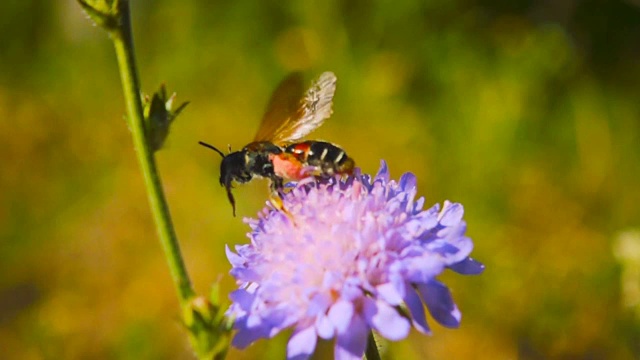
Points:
(359, 248)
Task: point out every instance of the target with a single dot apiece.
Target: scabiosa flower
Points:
(355, 255)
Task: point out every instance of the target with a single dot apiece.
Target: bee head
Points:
(232, 167)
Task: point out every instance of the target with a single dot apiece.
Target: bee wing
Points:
(283, 104)
(291, 115)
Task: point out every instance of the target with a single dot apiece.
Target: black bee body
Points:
(257, 160)
(254, 160)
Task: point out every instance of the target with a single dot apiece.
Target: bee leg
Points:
(276, 185)
(276, 200)
(277, 195)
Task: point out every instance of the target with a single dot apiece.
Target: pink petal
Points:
(350, 345)
(302, 343)
(386, 320)
(341, 314)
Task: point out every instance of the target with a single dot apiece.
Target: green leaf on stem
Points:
(209, 328)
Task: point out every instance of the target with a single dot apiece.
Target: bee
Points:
(276, 152)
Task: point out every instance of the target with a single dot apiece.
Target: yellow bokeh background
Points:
(526, 112)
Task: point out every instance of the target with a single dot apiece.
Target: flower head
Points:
(360, 254)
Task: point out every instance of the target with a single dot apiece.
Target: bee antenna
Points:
(211, 147)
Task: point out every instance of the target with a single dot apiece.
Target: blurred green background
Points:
(527, 112)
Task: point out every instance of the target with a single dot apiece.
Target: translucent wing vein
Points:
(286, 121)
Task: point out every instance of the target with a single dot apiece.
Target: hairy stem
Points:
(123, 42)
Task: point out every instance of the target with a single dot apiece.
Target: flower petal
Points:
(324, 327)
(235, 259)
(341, 314)
(350, 345)
(245, 275)
(318, 304)
(389, 293)
(451, 213)
(302, 344)
(242, 298)
(245, 335)
(468, 266)
(386, 320)
(416, 308)
(440, 303)
(383, 172)
(407, 181)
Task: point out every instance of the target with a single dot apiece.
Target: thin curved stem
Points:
(123, 42)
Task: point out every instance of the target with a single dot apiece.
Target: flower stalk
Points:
(115, 17)
(121, 36)
(208, 327)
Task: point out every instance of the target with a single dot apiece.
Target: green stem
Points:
(123, 42)
(372, 353)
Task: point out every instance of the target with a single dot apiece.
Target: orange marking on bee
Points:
(301, 150)
(287, 166)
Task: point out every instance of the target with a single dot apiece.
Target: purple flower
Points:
(357, 254)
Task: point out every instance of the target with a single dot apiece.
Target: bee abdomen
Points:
(328, 158)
